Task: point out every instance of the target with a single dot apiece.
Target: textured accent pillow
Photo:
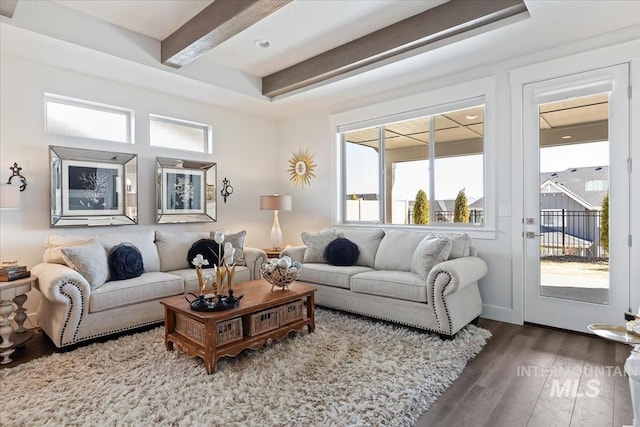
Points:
(125, 262)
(208, 249)
(367, 241)
(316, 245)
(341, 252)
(90, 261)
(237, 241)
(431, 250)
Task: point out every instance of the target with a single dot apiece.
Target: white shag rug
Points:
(350, 372)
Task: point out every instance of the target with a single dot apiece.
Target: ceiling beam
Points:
(8, 7)
(216, 23)
(443, 21)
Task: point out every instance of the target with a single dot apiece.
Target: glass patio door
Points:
(576, 204)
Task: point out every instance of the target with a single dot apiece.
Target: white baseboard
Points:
(501, 314)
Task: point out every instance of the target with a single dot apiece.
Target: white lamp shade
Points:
(9, 196)
(276, 202)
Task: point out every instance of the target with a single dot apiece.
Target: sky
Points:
(412, 176)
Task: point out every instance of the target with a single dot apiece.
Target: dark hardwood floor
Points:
(514, 380)
(536, 376)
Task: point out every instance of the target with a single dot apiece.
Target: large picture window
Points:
(427, 168)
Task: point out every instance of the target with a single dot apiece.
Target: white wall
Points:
(243, 147)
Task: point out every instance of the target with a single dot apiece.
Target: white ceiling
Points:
(155, 19)
(120, 40)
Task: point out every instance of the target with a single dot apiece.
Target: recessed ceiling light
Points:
(566, 137)
(471, 116)
(262, 43)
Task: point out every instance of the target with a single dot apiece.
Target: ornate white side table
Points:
(13, 292)
(631, 366)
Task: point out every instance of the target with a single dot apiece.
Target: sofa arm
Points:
(453, 275)
(254, 258)
(52, 279)
(296, 253)
(64, 303)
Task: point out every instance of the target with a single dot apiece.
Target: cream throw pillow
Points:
(90, 261)
(316, 245)
(431, 250)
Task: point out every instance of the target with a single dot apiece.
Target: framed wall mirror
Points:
(185, 191)
(92, 188)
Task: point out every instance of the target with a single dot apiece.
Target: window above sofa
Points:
(422, 167)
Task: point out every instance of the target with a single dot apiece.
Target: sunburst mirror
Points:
(301, 167)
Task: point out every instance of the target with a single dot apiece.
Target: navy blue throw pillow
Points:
(341, 252)
(125, 262)
(208, 248)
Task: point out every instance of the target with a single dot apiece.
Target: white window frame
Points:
(207, 145)
(90, 105)
(424, 103)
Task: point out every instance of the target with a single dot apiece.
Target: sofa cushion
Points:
(210, 251)
(125, 262)
(237, 241)
(396, 249)
(173, 248)
(367, 241)
(316, 244)
(330, 275)
(90, 261)
(148, 287)
(342, 252)
(242, 274)
(53, 246)
(430, 251)
(143, 240)
(395, 284)
(460, 244)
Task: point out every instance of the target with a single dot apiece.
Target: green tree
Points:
(461, 209)
(604, 223)
(421, 208)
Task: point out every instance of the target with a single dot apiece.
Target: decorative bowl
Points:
(279, 276)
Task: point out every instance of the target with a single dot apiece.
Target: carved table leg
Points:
(20, 316)
(6, 328)
(311, 313)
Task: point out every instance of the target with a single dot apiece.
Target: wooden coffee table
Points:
(213, 335)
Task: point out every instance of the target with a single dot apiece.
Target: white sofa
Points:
(73, 310)
(386, 283)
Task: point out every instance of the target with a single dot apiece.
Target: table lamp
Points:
(275, 203)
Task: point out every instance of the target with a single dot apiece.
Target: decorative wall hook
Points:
(227, 189)
(15, 169)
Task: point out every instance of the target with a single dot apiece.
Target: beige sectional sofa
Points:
(76, 308)
(396, 278)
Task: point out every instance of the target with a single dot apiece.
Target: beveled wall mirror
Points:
(185, 191)
(92, 188)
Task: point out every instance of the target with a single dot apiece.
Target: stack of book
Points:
(13, 272)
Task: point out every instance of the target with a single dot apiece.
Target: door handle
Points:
(531, 235)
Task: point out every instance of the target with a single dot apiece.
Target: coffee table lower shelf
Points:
(211, 358)
(197, 333)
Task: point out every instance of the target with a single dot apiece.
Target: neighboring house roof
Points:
(445, 205)
(587, 185)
